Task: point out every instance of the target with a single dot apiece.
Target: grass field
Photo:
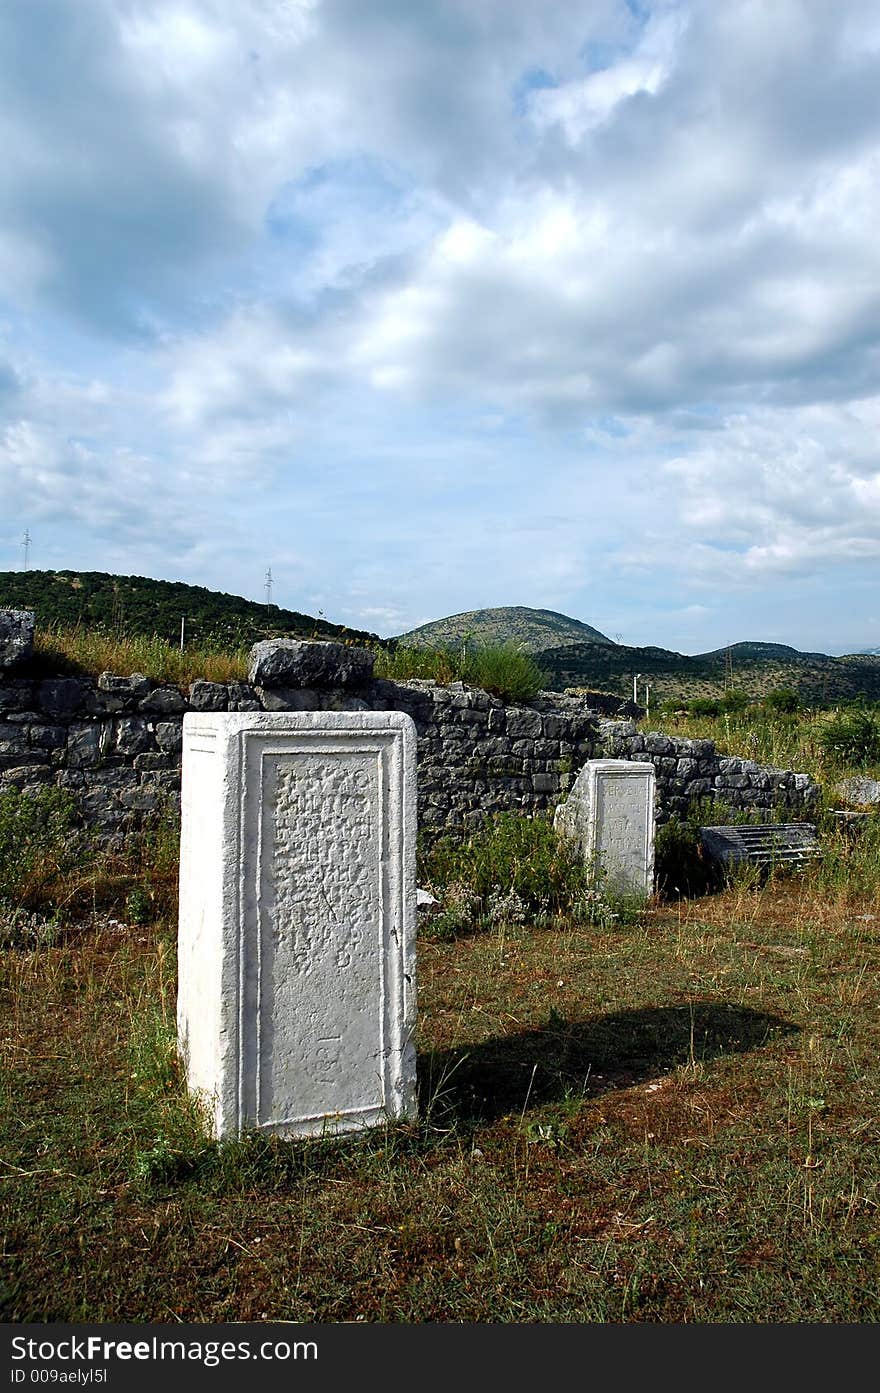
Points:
(672, 1120)
(668, 1116)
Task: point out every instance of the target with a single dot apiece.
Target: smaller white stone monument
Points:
(609, 813)
(296, 942)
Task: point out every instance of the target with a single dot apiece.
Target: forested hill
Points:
(139, 605)
(532, 630)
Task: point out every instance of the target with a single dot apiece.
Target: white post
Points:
(296, 944)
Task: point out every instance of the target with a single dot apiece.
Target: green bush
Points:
(852, 737)
(782, 700)
(39, 842)
(703, 706)
(510, 869)
(502, 668)
(733, 702)
(680, 869)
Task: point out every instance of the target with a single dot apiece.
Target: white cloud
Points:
(386, 273)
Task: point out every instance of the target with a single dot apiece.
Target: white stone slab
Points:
(610, 814)
(296, 943)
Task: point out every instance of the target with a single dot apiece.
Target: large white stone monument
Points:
(609, 813)
(296, 944)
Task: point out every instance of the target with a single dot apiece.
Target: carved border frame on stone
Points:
(372, 749)
(586, 828)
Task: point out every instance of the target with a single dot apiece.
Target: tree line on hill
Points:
(139, 605)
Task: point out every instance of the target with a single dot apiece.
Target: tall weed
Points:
(40, 843)
(511, 869)
(502, 669)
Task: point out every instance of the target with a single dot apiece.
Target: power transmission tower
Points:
(269, 582)
(26, 544)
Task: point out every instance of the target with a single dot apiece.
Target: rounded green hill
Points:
(533, 630)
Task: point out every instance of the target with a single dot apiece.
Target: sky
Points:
(435, 305)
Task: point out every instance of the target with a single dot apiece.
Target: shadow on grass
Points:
(590, 1057)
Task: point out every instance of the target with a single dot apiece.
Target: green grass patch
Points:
(511, 870)
(89, 651)
(502, 669)
(53, 868)
(667, 1121)
(817, 742)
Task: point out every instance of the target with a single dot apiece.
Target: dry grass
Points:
(91, 652)
(672, 1121)
(782, 742)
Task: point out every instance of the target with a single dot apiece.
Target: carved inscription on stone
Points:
(296, 937)
(321, 959)
(621, 826)
(609, 815)
(622, 822)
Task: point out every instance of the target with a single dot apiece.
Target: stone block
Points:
(609, 814)
(151, 760)
(88, 744)
(860, 790)
(45, 737)
(167, 701)
(521, 723)
(242, 697)
(133, 735)
(137, 685)
(290, 662)
(13, 740)
(545, 783)
(16, 636)
(16, 697)
(61, 696)
(26, 776)
(657, 744)
(765, 845)
(296, 946)
(288, 699)
(208, 696)
(169, 736)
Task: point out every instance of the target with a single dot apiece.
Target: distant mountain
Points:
(533, 629)
(866, 653)
(574, 654)
(746, 651)
(753, 668)
(139, 605)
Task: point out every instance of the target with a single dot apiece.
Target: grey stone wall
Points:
(116, 744)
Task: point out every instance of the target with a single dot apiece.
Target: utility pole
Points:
(182, 630)
(26, 544)
(269, 583)
(636, 677)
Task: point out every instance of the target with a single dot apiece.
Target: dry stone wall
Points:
(116, 742)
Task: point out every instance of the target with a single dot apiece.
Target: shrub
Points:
(509, 869)
(39, 843)
(680, 869)
(733, 702)
(782, 700)
(852, 737)
(502, 668)
(703, 706)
